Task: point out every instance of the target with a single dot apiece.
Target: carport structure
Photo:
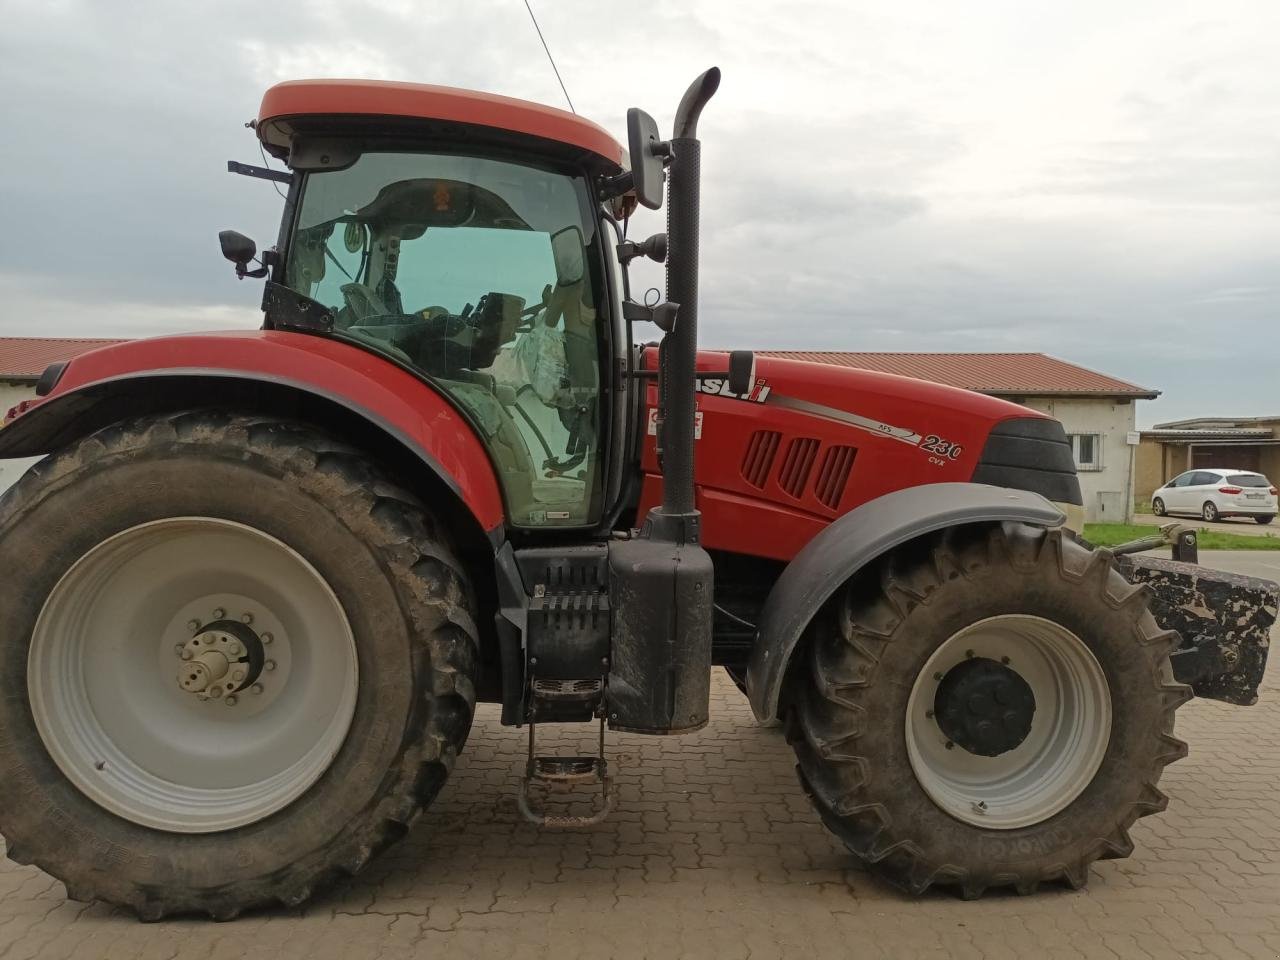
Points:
(1243, 443)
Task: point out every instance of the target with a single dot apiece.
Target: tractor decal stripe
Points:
(902, 434)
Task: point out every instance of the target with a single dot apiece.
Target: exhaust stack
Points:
(661, 581)
(680, 347)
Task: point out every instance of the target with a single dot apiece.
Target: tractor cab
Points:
(470, 255)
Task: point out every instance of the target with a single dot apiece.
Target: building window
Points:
(1087, 449)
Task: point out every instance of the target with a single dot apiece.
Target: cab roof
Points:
(286, 105)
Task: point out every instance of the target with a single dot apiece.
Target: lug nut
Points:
(256, 689)
(238, 676)
(267, 638)
(247, 619)
(193, 625)
(185, 654)
(219, 614)
(232, 700)
(234, 649)
(269, 666)
(178, 648)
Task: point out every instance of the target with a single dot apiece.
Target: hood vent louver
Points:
(833, 475)
(761, 449)
(797, 464)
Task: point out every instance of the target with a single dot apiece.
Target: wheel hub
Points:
(222, 659)
(984, 707)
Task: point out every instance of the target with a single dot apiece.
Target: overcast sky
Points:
(1095, 180)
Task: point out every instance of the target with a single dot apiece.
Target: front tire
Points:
(1209, 511)
(1265, 520)
(1040, 805)
(1157, 507)
(361, 616)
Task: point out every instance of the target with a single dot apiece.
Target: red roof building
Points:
(996, 374)
(23, 359)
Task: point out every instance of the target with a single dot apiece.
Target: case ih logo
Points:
(720, 388)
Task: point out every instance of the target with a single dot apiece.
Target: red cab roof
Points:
(369, 98)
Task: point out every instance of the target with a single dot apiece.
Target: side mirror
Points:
(648, 157)
(236, 247)
(567, 247)
(239, 249)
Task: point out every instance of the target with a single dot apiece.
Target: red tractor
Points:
(261, 579)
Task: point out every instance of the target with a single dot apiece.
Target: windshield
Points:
(478, 273)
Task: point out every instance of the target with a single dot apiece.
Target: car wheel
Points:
(1157, 507)
(1209, 511)
(1265, 520)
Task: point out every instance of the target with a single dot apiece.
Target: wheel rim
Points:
(1060, 752)
(1210, 511)
(103, 675)
(1158, 507)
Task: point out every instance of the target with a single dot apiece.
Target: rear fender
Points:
(323, 381)
(852, 542)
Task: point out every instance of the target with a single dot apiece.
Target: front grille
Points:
(1030, 453)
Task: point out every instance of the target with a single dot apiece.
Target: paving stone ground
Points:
(714, 852)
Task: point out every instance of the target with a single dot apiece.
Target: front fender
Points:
(853, 541)
(211, 370)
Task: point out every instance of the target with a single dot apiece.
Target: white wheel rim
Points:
(1063, 749)
(103, 667)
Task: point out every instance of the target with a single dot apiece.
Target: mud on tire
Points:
(847, 698)
(392, 569)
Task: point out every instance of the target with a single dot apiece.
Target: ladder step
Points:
(568, 771)
(567, 689)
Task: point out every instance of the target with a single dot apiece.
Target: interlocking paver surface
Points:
(714, 852)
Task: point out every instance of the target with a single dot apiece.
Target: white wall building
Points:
(1099, 412)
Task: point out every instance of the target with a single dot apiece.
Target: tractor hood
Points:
(811, 441)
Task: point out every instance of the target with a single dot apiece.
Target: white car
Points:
(1217, 493)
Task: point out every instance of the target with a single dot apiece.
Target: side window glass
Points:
(477, 273)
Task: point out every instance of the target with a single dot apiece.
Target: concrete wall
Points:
(11, 394)
(1107, 491)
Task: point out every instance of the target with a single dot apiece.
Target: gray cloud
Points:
(1094, 181)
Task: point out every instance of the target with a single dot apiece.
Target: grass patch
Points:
(1111, 534)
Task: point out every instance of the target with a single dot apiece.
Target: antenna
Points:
(549, 56)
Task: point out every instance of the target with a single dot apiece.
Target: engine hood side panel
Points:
(813, 441)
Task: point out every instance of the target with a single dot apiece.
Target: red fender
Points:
(411, 410)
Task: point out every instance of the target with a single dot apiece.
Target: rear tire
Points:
(1157, 507)
(395, 578)
(1264, 520)
(1209, 511)
(850, 699)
